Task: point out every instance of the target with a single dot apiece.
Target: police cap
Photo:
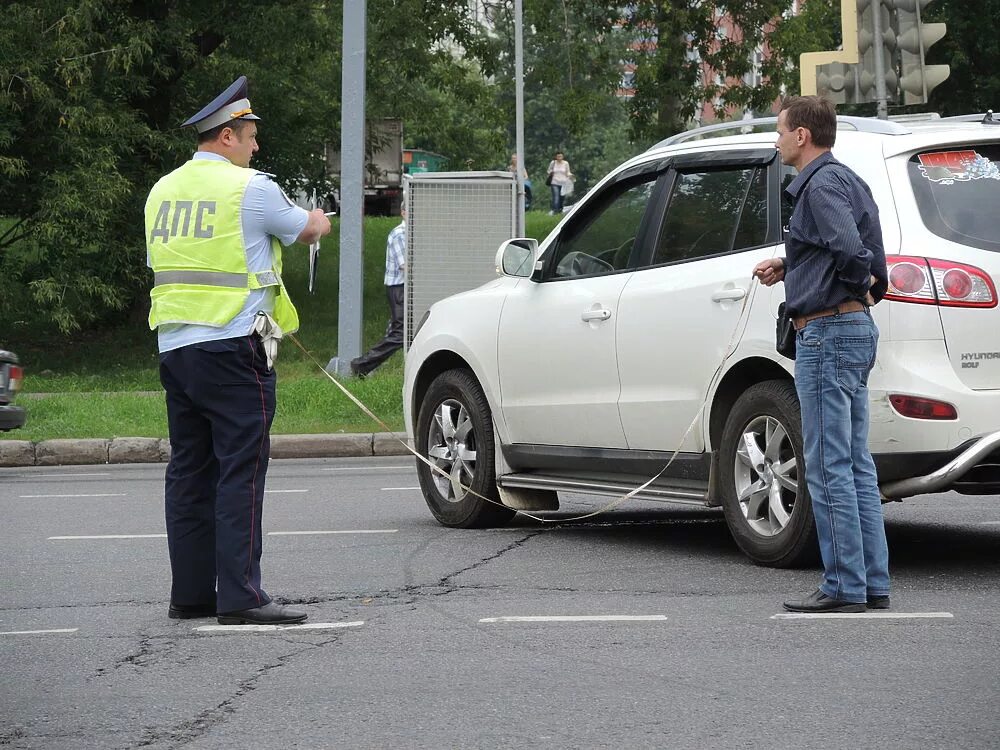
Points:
(231, 104)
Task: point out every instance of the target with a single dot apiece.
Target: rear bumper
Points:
(974, 470)
(11, 417)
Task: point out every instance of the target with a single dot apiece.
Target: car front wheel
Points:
(455, 433)
(762, 473)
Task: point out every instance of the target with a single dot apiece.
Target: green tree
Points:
(815, 28)
(973, 53)
(573, 55)
(92, 93)
(683, 58)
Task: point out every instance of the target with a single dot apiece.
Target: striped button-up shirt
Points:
(834, 239)
(395, 256)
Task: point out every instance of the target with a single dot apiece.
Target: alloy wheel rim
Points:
(766, 475)
(451, 447)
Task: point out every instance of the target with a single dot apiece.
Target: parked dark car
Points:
(11, 376)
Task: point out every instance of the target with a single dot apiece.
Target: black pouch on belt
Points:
(784, 338)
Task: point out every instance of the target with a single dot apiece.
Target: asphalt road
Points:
(412, 649)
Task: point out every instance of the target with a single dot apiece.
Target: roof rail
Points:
(861, 124)
(984, 117)
(915, 117)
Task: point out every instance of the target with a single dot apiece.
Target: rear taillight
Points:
(14, 377)
(930, 281)
(922, 408)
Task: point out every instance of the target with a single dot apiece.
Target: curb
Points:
(156, 450)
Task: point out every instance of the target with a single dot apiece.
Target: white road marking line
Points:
(40, 632)
(339, 531)
(104, 494)
(282, 492)
(60, 476)
(112, 536)
(578, 618)
(860, 615)
(369, 468)
(388, 489)
(989, 523)
(271, 628)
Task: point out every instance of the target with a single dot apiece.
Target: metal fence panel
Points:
(455, 223)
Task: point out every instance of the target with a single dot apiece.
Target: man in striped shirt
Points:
(395, 267)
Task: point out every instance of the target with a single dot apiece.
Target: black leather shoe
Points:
(878, 602)
(190, 611)
(817, 601)
(269, 614)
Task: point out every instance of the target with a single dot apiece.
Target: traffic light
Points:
(915, 37)
(836, 82)
(876, 36)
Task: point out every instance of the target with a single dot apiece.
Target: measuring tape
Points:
(604, 509)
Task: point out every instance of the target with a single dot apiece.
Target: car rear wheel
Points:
(762, 473)
(455, 432)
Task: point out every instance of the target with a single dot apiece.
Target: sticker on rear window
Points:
(949, 167)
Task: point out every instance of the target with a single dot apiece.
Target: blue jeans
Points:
(834, 356)
(557, 198)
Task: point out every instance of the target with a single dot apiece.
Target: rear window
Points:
(958, 193)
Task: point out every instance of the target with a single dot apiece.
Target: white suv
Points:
(582, 366)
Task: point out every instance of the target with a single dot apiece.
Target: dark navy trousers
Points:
(220, 405)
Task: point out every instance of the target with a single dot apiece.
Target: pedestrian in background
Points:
(395, 276)
(834, 271)
(560, 177)
(214, 230)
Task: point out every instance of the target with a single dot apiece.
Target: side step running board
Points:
(689, 495)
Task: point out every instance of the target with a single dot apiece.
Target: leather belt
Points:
(851, 305)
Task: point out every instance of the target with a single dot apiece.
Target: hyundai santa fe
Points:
(634, 334)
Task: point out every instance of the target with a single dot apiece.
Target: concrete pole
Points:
(352, 181)
(519, 109)
(878, 50)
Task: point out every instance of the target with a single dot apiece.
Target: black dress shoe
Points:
(190, 611)
(269, 614)
(817, 601)
(878, 602)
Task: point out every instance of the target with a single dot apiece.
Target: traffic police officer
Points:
(214, 231)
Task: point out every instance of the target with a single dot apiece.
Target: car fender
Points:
(465, 325)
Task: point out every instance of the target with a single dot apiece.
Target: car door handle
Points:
(598, 314)
(727, 295)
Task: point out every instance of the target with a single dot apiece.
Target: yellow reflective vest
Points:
(194, 237)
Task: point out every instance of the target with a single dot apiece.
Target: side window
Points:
(602, 241)
(712, 212)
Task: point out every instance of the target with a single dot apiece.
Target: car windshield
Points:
(958, 191)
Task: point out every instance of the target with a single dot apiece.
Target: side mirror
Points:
(516, 257)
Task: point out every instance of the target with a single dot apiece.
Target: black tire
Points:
(773, 525)
(456, 400)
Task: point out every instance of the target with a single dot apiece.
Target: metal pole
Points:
(920, 38)
(519, 110)
(352, 165)
(878, 49)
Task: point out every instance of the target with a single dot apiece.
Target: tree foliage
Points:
(972, 52)
(683, 59)
(573, 53)
(92, 93)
